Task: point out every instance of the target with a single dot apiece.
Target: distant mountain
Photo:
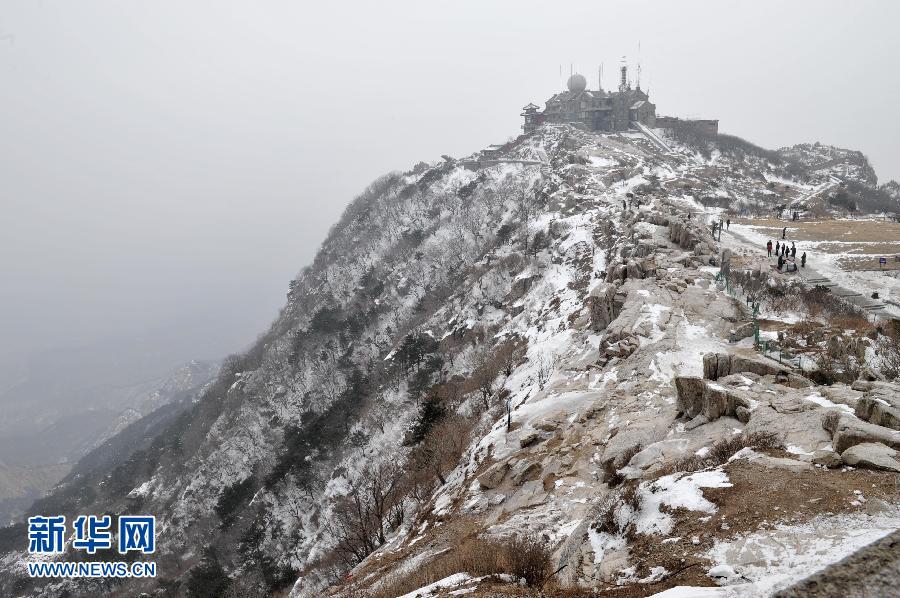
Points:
(38, 458)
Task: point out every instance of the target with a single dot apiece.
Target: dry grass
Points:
(853, 231)
(625, 496)
(524, 557)
(722, 450)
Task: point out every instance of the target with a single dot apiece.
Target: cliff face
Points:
(478, 352)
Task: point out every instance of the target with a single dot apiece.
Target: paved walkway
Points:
(812, 277)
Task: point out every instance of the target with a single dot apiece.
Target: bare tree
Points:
(545, 366)
(372, 508)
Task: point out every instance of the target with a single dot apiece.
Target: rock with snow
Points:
(872, 455)
(827, 457)
(492, 478)
(523, 471)
(848, 430)
(881, 406)
(529, 437)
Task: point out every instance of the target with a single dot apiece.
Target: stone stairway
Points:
(868, 305)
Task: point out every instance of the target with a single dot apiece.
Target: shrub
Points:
(724, 449)
(525, 557)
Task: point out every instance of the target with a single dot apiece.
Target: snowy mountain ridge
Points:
(485, 349)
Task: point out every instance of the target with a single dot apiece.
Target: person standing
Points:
(769, 247)
(780, 263)
(784, 233)
(777, 247)
(803, 260)
(793, 250)
(728, 224)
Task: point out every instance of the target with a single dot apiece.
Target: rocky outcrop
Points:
(619, 344)
(827, 458)
(847, 430)
(603, 305)
(493, 476)
(683, 234)
(717, 365)
(697, 396)
(881, 405)
(872, 455)
(524, 471)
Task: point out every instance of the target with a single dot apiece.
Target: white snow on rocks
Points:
(676, 491)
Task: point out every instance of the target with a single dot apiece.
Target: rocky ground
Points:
(666, 451)
(537, 374)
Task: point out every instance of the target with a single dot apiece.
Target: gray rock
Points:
(872, 455)
(827, 457)
(871, 572)
(529, 437)
(717, 365)
(880, 407)
(493, 477)
(690, 394)
(601, 305)
(849, 431)
(876, 506)
(779, 463)
(744, 330)
(696, 422)
(524, 471)
(713, 400)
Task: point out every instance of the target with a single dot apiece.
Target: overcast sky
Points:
(171, 164)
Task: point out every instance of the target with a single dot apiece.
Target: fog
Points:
(170, 165)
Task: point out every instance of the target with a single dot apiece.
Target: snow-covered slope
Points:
(480, 349)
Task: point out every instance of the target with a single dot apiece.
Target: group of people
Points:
(786, 255)
(717, 227)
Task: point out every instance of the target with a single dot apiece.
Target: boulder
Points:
(529, 437)
(658, 452)
(872, 455)
(633, 270)
(786, 464)
(524, 471)
(745, 330)
(551, 422)
(827, 457)
(880, 408)
(601, 305)
(690, 393)
(717, 365)
(841, 394)
(848, 431)
(492, 478)
(697, 396)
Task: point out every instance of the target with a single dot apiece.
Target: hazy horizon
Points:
(173, 165)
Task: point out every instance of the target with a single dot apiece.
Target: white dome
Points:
(577, 83)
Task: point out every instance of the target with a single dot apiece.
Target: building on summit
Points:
(594, 110)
